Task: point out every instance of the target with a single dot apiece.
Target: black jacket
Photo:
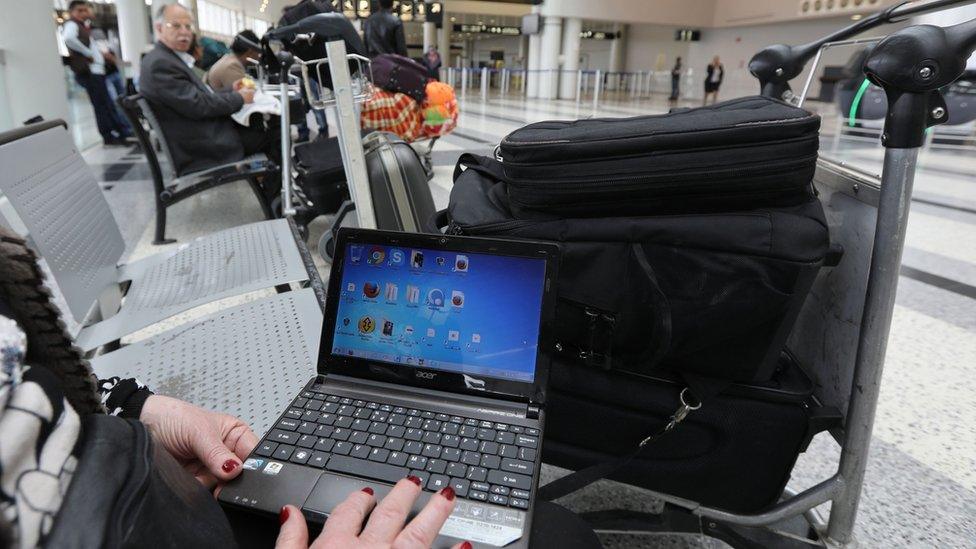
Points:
(383, 32)
(195, 120)
(303, 9)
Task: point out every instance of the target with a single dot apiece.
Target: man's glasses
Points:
(178, 26)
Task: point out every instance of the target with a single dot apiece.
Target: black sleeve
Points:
(401, 42)
(166, 84)
(123, 397)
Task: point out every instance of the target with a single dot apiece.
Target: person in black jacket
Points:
(194, 118)
(383, 32)
(713, 80)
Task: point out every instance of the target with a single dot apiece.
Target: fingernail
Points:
(448, 493)
(229, 465)
(414, 479)
(283, 515)
(368, 490)
(466, 545)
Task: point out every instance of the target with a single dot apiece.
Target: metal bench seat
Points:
(56, 197)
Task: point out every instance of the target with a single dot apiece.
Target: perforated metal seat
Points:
(170, 187)
(219, 362)
(57, 198)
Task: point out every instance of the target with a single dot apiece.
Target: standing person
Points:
(114, 78)
(232, 67)
(433, 62)
(675, 81)
(88, 65)
(713, 80)
(383, 32)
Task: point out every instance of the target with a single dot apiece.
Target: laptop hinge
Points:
(532, 411)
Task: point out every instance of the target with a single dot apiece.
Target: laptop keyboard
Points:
(480, 460)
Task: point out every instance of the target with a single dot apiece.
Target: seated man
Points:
(232, 66)
(196, 119)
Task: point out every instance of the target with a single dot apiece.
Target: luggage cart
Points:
(911, 66)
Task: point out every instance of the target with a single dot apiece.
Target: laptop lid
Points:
(461, 314)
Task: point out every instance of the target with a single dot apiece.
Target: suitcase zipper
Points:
(639, 182)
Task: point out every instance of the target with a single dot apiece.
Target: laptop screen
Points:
(467, 313)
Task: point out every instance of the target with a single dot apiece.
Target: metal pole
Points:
(579, 86)
(484, 83)
(285, 59)
(597, 86)
(350, 136)
(879, 303)
(525, 79)
(464, 82)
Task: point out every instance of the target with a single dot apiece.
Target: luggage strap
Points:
(693, 396)
(481, 164)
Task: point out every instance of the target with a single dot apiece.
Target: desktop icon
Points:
(431, 332)
(413, 294)
(355, 254)
(376, 255)
(457, 298)
(435, 298)
(417, 259)
(391, 292)
(371, 290)
(475, 338)
(408, 330)
(441, 261)
(351, 287)
(345, 321)
(388, 327)
(461, 264)
(396, 257)
(367, 325)
(453, 335)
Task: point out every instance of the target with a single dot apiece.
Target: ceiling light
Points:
(856, 17)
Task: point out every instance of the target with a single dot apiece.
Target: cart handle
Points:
(911, 65)
(776, 65)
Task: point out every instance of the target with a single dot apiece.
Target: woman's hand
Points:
(211, 446)
(386, 527)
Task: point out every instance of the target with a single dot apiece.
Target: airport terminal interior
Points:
(516, 63)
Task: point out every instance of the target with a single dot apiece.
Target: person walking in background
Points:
(713, 80)
(383, 32)
(433, 62)
(675, 81)
(88, 65)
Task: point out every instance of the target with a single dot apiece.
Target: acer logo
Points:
(426, 375)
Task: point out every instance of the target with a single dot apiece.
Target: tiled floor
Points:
(921, 480)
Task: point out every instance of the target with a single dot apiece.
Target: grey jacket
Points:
(195, 120)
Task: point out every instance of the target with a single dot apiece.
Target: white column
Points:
(134, 33)
(552, 30)
(618, 48)
(444, 42)
(571, 50)
(532, 64)
(31, 74)
(430, 30)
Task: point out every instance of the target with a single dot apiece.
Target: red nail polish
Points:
(466, 545)
(229, 465)
(448, 493)
(368, 490)
(414, 479)
(283, 515)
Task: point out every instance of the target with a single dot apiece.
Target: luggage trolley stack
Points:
(840, 333)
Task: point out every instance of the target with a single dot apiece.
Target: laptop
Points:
(433, 362)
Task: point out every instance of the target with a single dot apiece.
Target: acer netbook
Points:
(433, 362)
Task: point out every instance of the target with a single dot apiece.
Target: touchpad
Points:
(484, 524)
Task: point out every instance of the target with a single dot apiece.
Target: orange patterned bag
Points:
(393, 112)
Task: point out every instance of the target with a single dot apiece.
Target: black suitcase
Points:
(398, 185)
(735, 453)
(740, 154)
(321, 175)
(715, 294)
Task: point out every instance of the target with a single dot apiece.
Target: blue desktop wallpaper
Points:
(470, 313)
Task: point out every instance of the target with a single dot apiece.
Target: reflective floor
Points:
(921, 480)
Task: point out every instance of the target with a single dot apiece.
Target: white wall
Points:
(595, 54)
(695, 13)
(510, 44)
(646, 44)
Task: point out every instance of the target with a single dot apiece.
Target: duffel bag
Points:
(734, 453)
(744, 153)
(714, 294)
(396, 73)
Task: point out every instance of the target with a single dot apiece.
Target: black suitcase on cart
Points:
(321, 175)
(398, 185)
(735, 453)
